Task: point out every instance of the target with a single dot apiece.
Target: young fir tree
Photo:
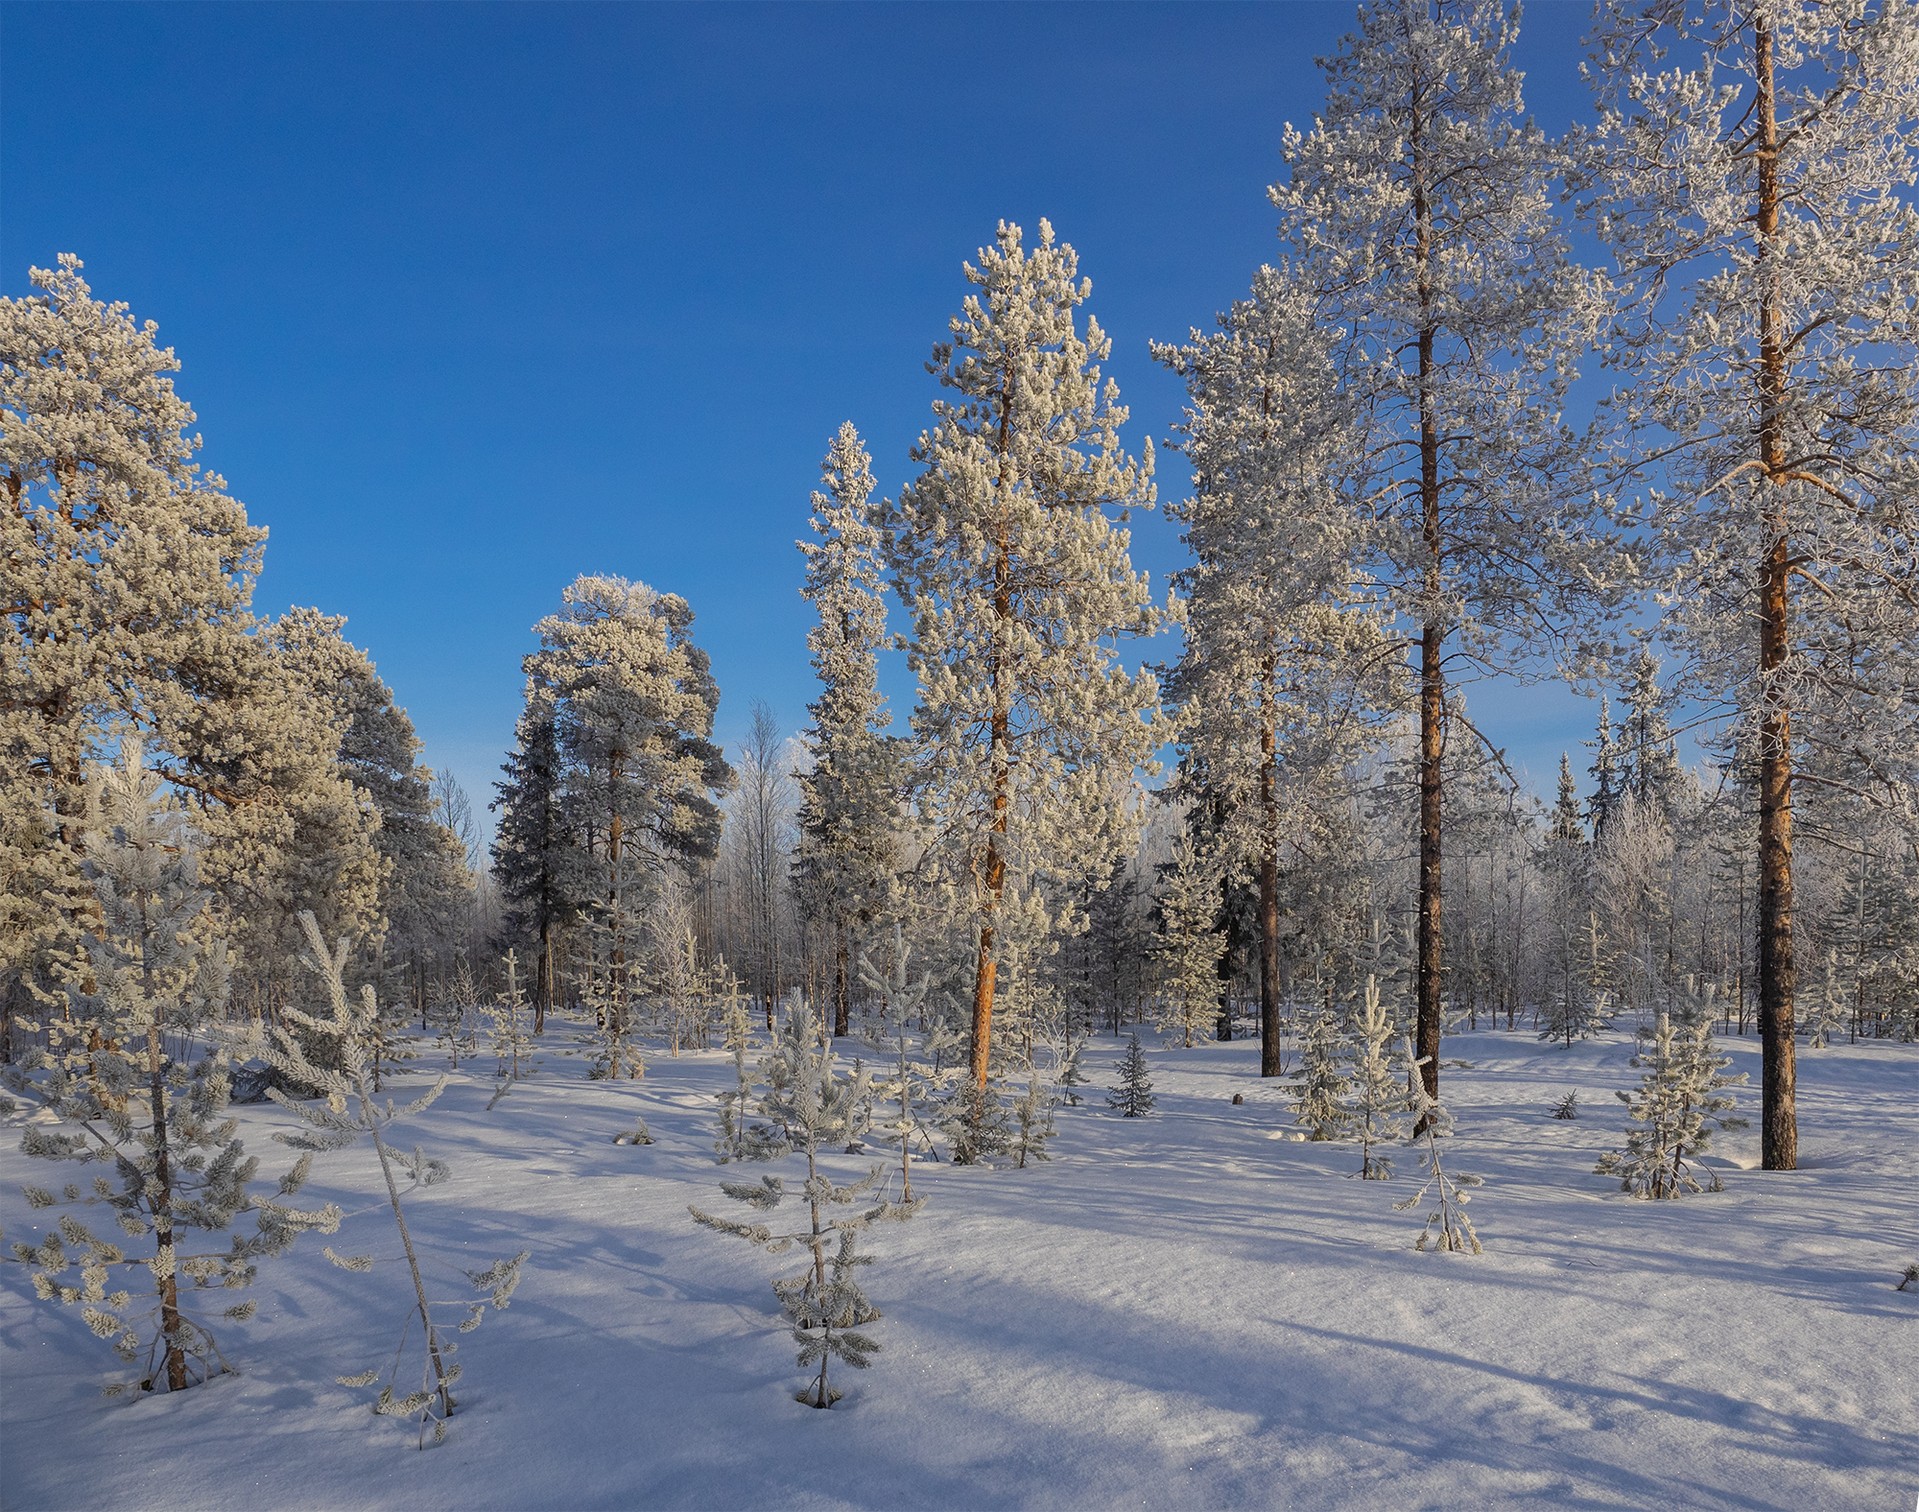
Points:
(1015, 574)
(1319, 1087)
(456, 1013)
(1283, 669)
(533, 841)
(1448, 1229)
(815, 1109)
(848, 799)
(1375, 1096)
(1681, 1099)
(1191, 943)
(1133, 1097)
(122, 1079)
(346, 1111)
(1419, 209)
(1769, 402)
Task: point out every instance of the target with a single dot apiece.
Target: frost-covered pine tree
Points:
(1319, 1086)
(1011, 562)
(1681, 1099)
(534, 839)
(1375, 1096)
(1133, 1097)
(1448, 1229)
(1752, 173)
(816, 1110)
(1419, 212)
(1283, 666)
(849, 798)
(633, 700)
(1191, 941)
(135, 1076)
(345, 1111)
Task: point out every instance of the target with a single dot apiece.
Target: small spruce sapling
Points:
(1375, 1087)
(816, 1110)
(1319, 1086)
(1681, 1099)
(1448, 1228)
(1567, 1106)
(345, 1112)
(739, 1139)
(458, 1006)
(121, 1074)
(1133, 1097)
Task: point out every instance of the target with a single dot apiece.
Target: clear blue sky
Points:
(472, 299)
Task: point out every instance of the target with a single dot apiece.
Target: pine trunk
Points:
(1271, 1062)
(1778, 1128)
(161, 1202)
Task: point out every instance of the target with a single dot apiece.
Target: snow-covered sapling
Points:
(816, 1110)
(1319, 1086)
(458, 1006)
(346, 1112)
(1133, 1097)
(1033, 1121)
(1681, 1099)
(121, 1075)
(913, 1085)
(506, 1018)
(1567, 1106)
(739, 1139)
(1375, 1087)
(1448, 1228)
(639, 1134)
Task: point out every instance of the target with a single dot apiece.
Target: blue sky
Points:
(473, 299)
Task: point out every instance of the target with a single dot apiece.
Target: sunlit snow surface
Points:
(1183, 1311)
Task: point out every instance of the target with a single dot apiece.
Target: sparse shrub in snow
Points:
(1567, 1106)
(1033, 1121)
(1133, 1097)
(607, 992)
(1448, 1228)
(1681, 1099)
(1374, 1091)
(346, 1112)
(816, 1109)
(120, 1073)
(639, 1134)
(1319, 1086)
(1910, 1280)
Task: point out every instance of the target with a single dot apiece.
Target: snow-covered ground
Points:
(1183, 1311)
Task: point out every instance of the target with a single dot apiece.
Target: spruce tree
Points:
(1133, 1097)
(848, 800)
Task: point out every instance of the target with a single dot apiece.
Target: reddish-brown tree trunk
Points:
(1778, 1127)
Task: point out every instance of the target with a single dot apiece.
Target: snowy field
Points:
(1184, 1311)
